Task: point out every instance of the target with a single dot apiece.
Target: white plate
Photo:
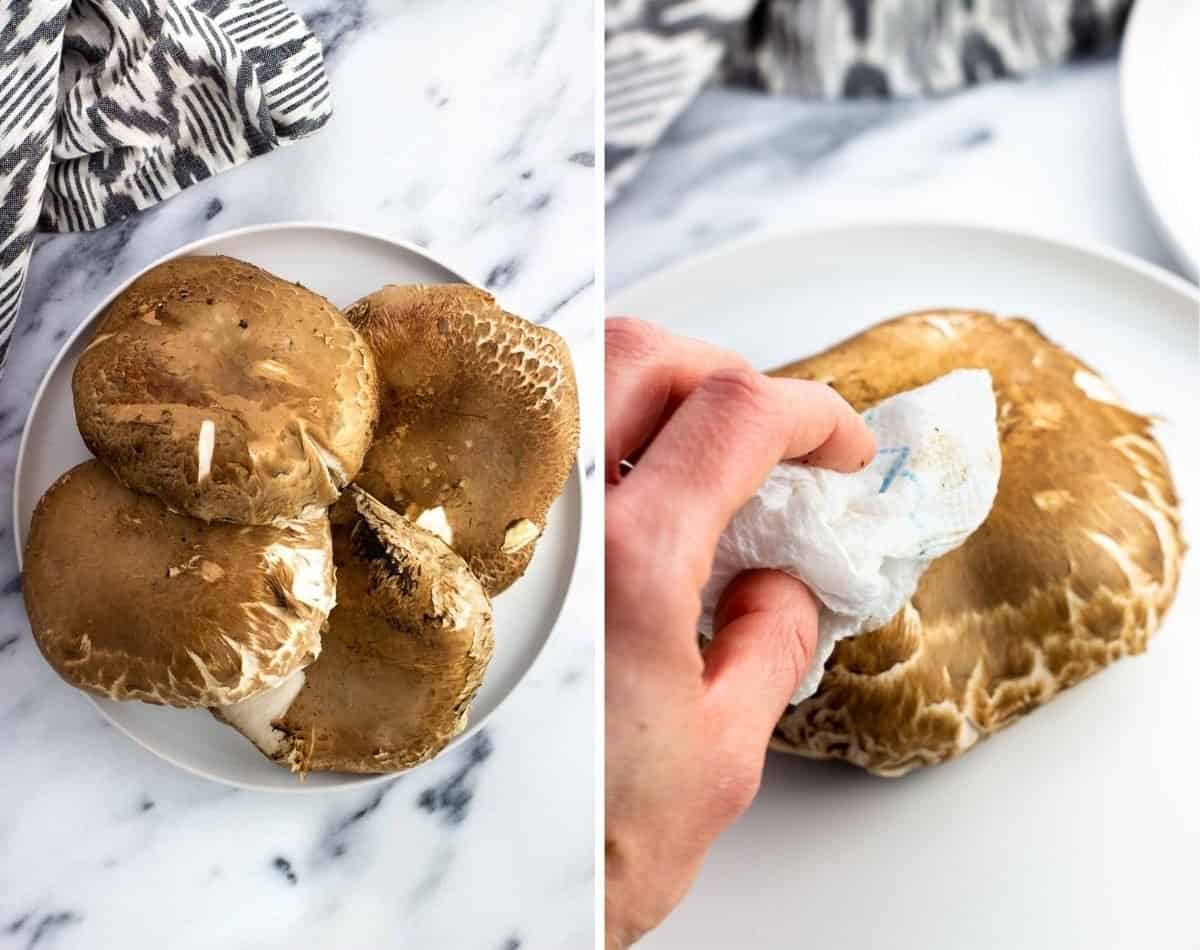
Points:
(1160, 79)
(1076, 827)
(343, 265)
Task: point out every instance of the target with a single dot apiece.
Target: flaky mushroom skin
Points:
(404, 653)
(230, 394)
(129, 600)
(479, 415)
(1072, 570)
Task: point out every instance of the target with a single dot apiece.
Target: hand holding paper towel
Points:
(860, 542)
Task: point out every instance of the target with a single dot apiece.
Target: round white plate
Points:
(1075, 827)
(343, 265)
(1160, 78)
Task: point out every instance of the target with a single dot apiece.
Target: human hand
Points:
(686, 728)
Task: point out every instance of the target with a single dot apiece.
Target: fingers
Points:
(648, 372)
(766, 635)
(718, 447)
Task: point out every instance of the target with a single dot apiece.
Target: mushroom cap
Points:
(130, 600)
(1073, 568)
(403, 656)
(227, 392)
(479, 416)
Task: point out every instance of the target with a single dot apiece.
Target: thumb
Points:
(765, 636)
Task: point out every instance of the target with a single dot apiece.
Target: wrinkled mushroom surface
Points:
(1072, 570)
(479, 416)
(129, 600)
(404, 653)
(227, 392)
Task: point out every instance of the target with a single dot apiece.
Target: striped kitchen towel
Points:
(659, 53)
(110, 106)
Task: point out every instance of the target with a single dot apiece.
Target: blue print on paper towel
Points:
(897, 468)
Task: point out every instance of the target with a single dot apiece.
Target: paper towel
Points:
(861, 541)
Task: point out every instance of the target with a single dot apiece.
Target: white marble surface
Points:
(469, 129)
(1044, 155)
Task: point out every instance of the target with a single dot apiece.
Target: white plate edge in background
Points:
(1148, 22)
(774, 234)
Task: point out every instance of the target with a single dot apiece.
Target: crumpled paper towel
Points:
(861, 541)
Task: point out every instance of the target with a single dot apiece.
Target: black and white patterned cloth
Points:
(659, 53)
(110, 106)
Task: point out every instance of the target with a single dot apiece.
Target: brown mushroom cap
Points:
(403, 656)
(132, 601)
(228, 393)
(478, 416)
(1073, 568)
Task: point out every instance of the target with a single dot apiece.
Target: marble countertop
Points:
(469, 130)
(1044, 155)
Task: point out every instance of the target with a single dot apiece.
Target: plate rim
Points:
(771, 235)
(350, 780)
(1130, 71)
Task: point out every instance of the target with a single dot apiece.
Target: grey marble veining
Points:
(468, 129)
